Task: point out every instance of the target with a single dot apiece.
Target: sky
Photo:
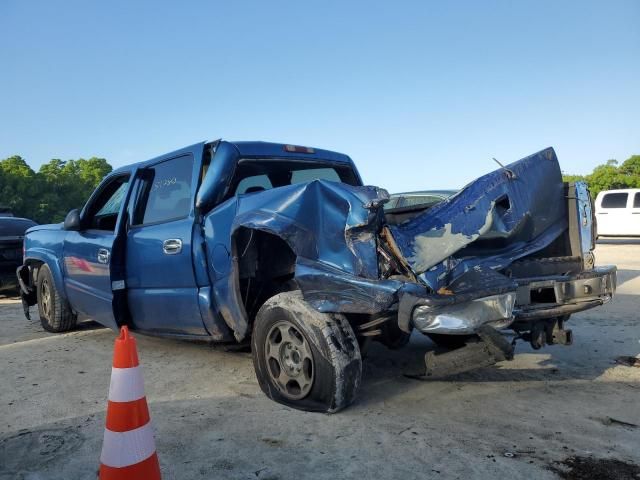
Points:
(420, 94)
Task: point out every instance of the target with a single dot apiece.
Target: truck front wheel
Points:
(55, 312)
(303, 358)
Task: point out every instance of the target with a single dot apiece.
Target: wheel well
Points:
(34, 269)
(266, 266)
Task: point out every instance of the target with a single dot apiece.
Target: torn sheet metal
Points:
(330, 290)
(496, 219)
(327, 221)
(329, 225)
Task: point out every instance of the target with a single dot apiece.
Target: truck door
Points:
(613, 214)
(91, 273)
(162, 291)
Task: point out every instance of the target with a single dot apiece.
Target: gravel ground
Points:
(539, 416)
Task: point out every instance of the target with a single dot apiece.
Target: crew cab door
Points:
(92, 255)
(162, 291)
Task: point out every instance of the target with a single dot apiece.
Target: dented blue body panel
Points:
(328, 225)
(505, 215)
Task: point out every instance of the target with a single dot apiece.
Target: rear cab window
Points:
(614, 200)
(256, 183)
(256, 175)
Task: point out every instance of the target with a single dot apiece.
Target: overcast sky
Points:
(420, 94)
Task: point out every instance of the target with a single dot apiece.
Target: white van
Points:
(618, 212)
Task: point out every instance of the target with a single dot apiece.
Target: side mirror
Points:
(72, 221)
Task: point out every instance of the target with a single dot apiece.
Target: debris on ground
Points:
(628, 361)
(615, 421)
(588, 468)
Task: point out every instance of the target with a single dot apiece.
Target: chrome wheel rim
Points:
(45, 298)
(289, 360)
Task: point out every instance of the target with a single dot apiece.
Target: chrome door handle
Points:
(103, 255)
(172, 246)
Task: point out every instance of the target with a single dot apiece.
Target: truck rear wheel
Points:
(303, 358)
(55, 312)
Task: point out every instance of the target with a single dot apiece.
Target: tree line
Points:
(47, 195)
(611, 175)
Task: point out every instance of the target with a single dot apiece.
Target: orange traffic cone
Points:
(128, 449)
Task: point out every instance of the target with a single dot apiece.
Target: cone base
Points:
(148, 469)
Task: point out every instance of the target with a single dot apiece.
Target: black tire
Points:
(55, 312)
(450, 341)
(332, 360)
(392, 337)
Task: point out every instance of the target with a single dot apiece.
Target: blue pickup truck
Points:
(283, 247)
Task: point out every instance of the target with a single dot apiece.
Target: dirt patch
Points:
(31, 450)
(588, 468)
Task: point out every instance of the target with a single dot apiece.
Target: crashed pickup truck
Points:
(282, 247)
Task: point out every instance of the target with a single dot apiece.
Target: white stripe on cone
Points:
(126, 384)
(121, 449)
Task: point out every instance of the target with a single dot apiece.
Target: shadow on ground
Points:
(618, 241)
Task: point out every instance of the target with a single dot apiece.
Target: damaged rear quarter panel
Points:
(332, 229)
(329, 226)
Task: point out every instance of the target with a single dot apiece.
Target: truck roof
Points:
(253, 149)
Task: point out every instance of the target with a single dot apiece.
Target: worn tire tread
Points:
(63, 317)
(333, 337)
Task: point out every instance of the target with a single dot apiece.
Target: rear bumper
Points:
(539, 298)
(533, 298)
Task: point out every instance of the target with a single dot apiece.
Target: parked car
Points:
(11, 235)
(420, 198)
(618, 212)
(285, 246)
(5, 211)
(402, 206)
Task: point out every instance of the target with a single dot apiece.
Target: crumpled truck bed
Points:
(505, 215)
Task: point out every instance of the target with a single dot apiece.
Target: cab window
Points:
(255, 175)
(102, 213)
(614, 200)
(256, 183)
(165, 192)
(310, 174)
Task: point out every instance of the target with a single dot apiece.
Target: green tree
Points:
(631, 167)
(611, 175)
(16, 182)
(48, 195)
(69, 184)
